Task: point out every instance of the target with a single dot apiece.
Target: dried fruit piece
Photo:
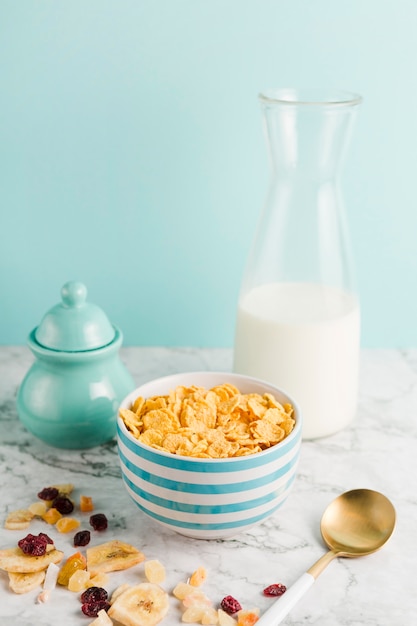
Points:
(12, 560)
(154, 571)
(102, 619)
(34, 544)
(51, 516)
(79, 580)
(198, 577)
(182, 590)
(63, 505)
(49, 582)
(209, 617)
(98, 580)
(23, 583)
(48, 493)
(225, 619)
(92, 608)
(277, 589)
(65, 489)
(248, 617)
(141, 605)
(112, 556)
(66, 524)
(18, 520)
(82, 538)
(196, 597)
(230, 605)
(99, 521)
(94, 594)
(86, 504)
(73, 563)
(38, 509)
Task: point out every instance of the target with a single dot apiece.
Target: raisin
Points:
(63, 505)
(230, 605)
(48, 493)
(92, 608)
(82, 538)
(277, 589)
(98, 521)
(35, 545)
(94, 594)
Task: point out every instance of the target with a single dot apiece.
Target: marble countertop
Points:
(379, 451)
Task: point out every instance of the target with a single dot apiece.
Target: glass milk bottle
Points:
(298, 319)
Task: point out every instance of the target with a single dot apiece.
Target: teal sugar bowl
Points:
(70, 396)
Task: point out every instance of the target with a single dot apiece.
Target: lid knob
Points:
(74, 325)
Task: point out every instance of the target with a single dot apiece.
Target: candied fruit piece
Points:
(66, 524)
(154, 571)
(98, 521)
(198, 577)
(91, 609)
(230, 605)
(63, 505)
(277, 589)
(79, 580)
(248, 617)
(94, 594)
(51, 516)
(48, 493)
(86, 504)
(35, 545)
(82, 538)
(73, 563)
(38, 508)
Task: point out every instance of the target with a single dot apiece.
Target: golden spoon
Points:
(357, 523)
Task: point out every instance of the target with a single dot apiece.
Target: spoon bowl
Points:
(356, 523)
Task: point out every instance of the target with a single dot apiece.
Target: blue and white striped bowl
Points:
(208, 498)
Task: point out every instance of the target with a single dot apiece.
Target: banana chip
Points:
(140, 605)
(112, 556)
(23, 583)
(15, 561)
(18, 520)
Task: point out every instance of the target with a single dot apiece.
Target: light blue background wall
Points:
(132, 156)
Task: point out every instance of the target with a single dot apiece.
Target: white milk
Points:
(303, 338)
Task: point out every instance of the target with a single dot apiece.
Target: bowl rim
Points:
(295, 433)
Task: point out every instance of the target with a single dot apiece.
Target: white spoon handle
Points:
(283, 605)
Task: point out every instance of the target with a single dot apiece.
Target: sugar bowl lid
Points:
(74, 325)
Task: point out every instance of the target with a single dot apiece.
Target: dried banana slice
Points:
(141, 605)
(23, 583)
(18, 520)
(112, 556)
(13, 560)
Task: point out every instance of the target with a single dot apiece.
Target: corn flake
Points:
(216, 423)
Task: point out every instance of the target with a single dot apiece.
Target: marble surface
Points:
(379, 451)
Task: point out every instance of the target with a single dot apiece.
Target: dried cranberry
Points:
(46, 537)
(82, 538)
(48, 493)
(94, 594)
(35, 545)
(63, 505)
(98, 521)
(230, 605)
(92, 608)
(275, 590)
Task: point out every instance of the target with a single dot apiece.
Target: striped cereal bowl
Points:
(208, 498)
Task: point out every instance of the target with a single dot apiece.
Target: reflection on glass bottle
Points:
(298, 320)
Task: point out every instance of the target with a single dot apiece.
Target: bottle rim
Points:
(290, 96)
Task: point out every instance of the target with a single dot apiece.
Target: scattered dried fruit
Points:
(48, 493)
(277, 589)
(99, 521)
(82, 538)
(112, 556)
(145, 605)
(35, 545)
(230, 605)
(67, 524)
(86, 504)
(63, 505)
(154, 571)
(73, 563)
(94, 594)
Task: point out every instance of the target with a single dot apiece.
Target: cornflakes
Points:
(220, 422)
